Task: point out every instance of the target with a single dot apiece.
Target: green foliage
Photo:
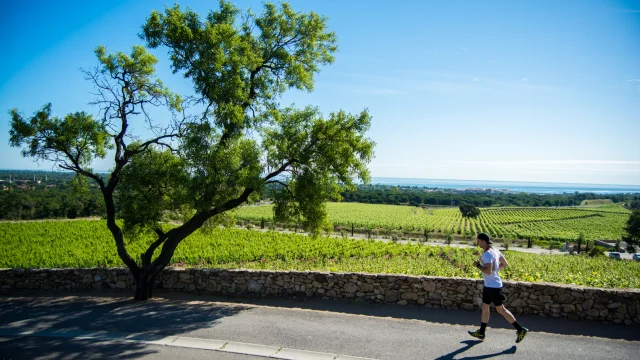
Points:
(137, 70)
(233, 66)
(205, 164)
(240, 69)
(555, 245)
(580, 241)
(78, 136)
(632, 229)
(541, 223)
(327, 152)
(597, 251)
(469, 211)
(56, 244)
(448, 238)
(617, 247)
(151, 185)
(386, 194)
(49, 199)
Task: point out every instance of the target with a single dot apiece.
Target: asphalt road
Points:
(355, 329)
(39, 348)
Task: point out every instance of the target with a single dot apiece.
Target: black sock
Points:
(483, 327)
(517, 326)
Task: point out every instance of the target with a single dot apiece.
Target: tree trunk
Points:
(144, 286)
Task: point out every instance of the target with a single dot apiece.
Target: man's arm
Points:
(486, 268)
(503, 263)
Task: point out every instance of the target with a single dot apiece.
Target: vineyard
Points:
(89, 244)
(561, 224)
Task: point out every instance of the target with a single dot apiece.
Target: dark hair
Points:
(484, 237)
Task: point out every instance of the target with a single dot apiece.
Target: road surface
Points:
(175, 325)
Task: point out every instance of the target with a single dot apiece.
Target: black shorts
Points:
(492, 295)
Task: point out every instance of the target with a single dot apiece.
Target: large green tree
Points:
(633, 231)
(469, 210)
(207, 162)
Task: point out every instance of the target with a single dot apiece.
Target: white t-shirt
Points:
(492, 255)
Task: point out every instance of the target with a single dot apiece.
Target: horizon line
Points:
(505, 181)
(385, 177)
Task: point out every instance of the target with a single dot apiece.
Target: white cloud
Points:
(476, 79)
(525, 79)
(633, 80)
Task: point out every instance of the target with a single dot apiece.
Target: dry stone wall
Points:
(542, 299)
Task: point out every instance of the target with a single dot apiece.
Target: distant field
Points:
(596, 202)
(603, 222)
(89, 244)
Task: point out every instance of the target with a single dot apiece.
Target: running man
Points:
(490, 263)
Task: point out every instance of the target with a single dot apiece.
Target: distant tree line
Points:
(51, 177)
(416, 196)
(24, 199)
(56, 197)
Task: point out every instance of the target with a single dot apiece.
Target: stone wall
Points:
(542, 299)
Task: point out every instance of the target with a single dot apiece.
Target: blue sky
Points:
(478, 90)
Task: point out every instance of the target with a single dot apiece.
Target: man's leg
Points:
(506, 314)
(484, 320)
(522, 331)
(486, 311)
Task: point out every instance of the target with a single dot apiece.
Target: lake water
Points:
(513, 186)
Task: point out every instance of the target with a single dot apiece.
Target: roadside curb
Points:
(267, 351)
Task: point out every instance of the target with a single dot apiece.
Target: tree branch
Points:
(143, 147)
(146, 257)
(78, 169)
(280, 170)
(283, 184)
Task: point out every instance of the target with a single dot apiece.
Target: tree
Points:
(469, 211)
(633, 231)
(448, 238)
(617, 247)
(580, 240)
(223, 145)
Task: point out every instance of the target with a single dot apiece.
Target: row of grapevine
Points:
(543, 223)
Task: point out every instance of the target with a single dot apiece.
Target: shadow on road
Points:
(174, 313)
(36, 348)
(112, 312)
(468, 345)
(436, 315)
